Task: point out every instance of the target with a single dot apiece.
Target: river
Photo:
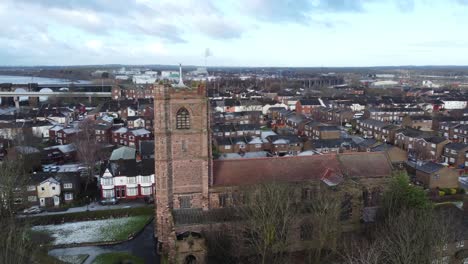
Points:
(39, 80)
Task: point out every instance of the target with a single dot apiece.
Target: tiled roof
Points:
(365, 165)
(286, 169)
(297, 169)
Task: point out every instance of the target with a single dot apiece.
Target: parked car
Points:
(109, 201)
(33, 210)
(149, 199)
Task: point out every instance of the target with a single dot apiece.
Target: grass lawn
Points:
(73, 259)
(106, 230)
(117, 258)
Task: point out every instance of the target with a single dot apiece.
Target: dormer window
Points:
(183, 119)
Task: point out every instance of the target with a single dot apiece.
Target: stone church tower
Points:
(182, 156)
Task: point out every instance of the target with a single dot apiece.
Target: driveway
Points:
(142, 246)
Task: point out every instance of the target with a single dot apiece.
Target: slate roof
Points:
(147, 147)
(333, 143)
(456, 146)
(314, 101)
(435, 140)
(124, 153)
(427, 167)
(284, 139)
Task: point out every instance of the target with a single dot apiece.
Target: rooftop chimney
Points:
(181, 82)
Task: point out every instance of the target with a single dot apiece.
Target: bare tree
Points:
(87, 148)
(362, 252)
(325, 211)
(268, 214)
(13, 245)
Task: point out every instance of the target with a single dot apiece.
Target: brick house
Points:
(322, 131)
(307, 106)
(281, 145)
(297, 123)
(434, 175)
(62, 135)
(431, 148)
(393, 114)
(103, 132)
(239, 144)
(126, 137)
(59, 154)
(421, 122)
(230, 130)
(405, 138)
(379, 130)
(52, 189)
(455, 154)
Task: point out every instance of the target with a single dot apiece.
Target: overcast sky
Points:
(238, 32)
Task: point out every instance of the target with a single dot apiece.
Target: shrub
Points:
(461, 191)
(453, 191)
(441, 193)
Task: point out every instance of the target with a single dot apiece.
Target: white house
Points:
(128, 179)
(48, 192)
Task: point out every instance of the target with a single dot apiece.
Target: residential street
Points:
(94, 206)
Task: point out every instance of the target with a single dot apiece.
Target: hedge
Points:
(88, 215)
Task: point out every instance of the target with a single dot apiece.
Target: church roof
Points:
(300, 168)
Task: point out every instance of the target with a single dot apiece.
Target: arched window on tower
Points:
(183, 119)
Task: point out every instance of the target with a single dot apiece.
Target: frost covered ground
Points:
(94, 231)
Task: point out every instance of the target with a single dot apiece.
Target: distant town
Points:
(157, 160)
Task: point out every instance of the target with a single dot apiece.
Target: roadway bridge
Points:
(55, 94)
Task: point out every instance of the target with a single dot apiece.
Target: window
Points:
(184, 146)
(107, 181)
(460, 244)
(68, 196)
(306, 231)
(53, 188)
(183, 119)
(222, 200)
(146, 190)
(32, 198)
(31, 188)
(145, 179)
(131, 180)
(42, 188)
(108, 193)
(258, 145)
(306, 194)
(227, 147)
(67, 185)
(346, 207)
(185, 201)
(132, 191)
(436, 176)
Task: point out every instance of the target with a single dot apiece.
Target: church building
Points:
(190, 187)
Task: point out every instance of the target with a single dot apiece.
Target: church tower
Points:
(182, 155)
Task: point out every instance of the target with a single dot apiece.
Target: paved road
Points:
(95, 207)
(142, 246)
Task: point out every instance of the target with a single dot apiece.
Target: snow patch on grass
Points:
(94, 231)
